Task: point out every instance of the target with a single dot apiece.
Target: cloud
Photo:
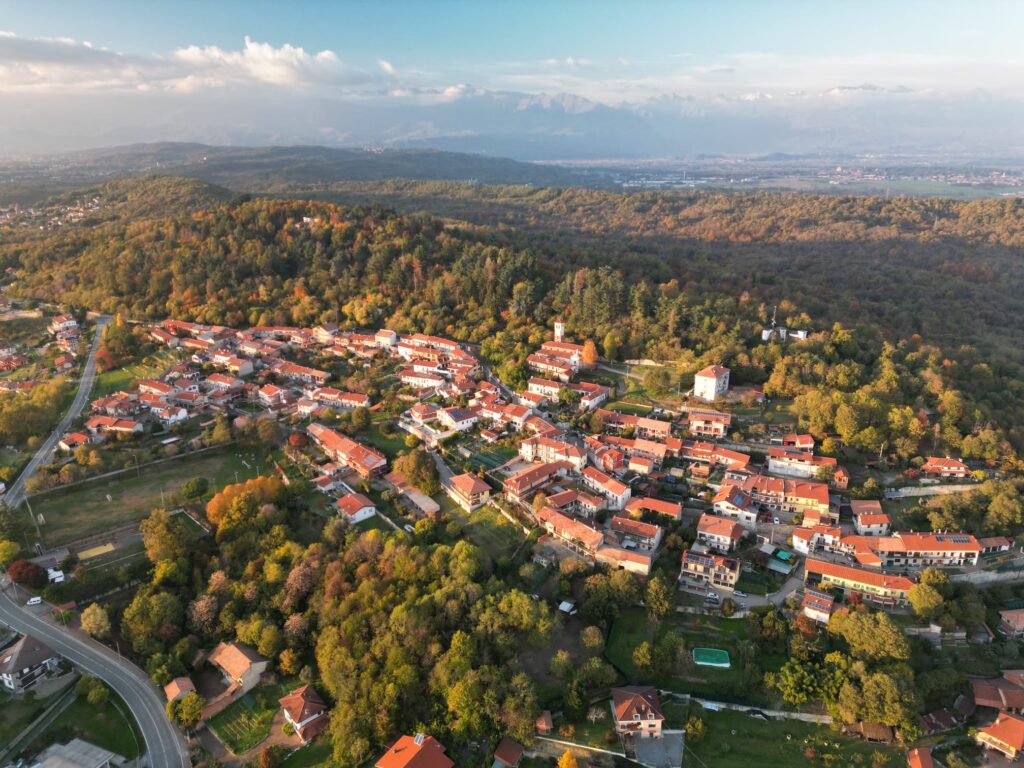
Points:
(61, 64)
(386, 66)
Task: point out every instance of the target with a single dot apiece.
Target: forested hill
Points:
(127, 199)
(926, 290)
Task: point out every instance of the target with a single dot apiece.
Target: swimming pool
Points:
(711, 657)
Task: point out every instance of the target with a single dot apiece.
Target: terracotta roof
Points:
(353, 502)
(636, 700)
(712, 371)
(997, 693)
(302, 703)
(859, 575)
(419, 751)
(920, 758)
(713, 525)
(621, 524)
(178, 687)
(508, 752)
(468, 484)
(1007, 729)
(234, 658)
(660, 506)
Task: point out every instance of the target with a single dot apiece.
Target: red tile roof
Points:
(419, 751)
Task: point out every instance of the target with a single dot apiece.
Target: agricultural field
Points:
(84, 509)
(247, 721)
(124, 378)
(735, 740)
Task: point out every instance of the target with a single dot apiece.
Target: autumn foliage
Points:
(265, 490)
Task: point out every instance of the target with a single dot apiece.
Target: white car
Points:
(34, 601)
(775, 520)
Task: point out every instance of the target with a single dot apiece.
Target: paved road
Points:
(16, 493)
(164, 745)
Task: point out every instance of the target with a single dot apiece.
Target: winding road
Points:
(16, 493)
(165, 747)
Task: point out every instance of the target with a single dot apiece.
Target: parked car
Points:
(775, 519)
(35, 601)
(738, 593)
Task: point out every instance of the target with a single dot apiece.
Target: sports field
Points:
(102, 504)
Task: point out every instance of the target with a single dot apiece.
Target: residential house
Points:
(508, 754)
(1002, 693)
(869, 519)
(546, 449)
(615, 492)
(356, 507)
(25, 663)
(735, 503)
(240, 665)
(367, 462)
(945, 467)
(306, 712)
(786, 495)
(461, 419)
(920, 757)
(915, 550)
(579, 536)
(520, 486)
(178, 688)
(790, 462)
(880, 588)
(721, 534)
(827, 537)
(1005, 735)
(638, 505)
(711, 383)
(273, 396)
(637, 712)
(708, 423)
(817, 605)
(468, 491)
(636, 533)
(1011, 623)
(62, 323)
(713, 570)
(419, 751)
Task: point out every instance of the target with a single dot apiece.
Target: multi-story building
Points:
(713, 570)
(879, 588)
(711, 383)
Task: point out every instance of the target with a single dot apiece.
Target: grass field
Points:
(636, 409)
(125, 377)
(389, 446)
(735, 740)
(16, 712)
(485, 527)
(108, 727)
(84, 509)
(633, 627)
(315, 755)
(246, 723)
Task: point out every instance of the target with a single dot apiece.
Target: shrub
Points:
(28, 574)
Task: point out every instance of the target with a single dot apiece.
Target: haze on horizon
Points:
(530, 80)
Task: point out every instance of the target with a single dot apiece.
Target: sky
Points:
(389, 72)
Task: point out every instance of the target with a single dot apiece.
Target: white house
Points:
(711, 383)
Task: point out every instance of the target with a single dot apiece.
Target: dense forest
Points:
(913, 304)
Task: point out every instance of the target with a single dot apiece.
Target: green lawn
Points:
(246, 723)
(84, 509)
(389, 446)
(486, 527)
(636, 409)
(315, 755)
(16, 712)
(109, 726)
(375, 523)
(124, 378)
(633, 627)
(735, 740)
